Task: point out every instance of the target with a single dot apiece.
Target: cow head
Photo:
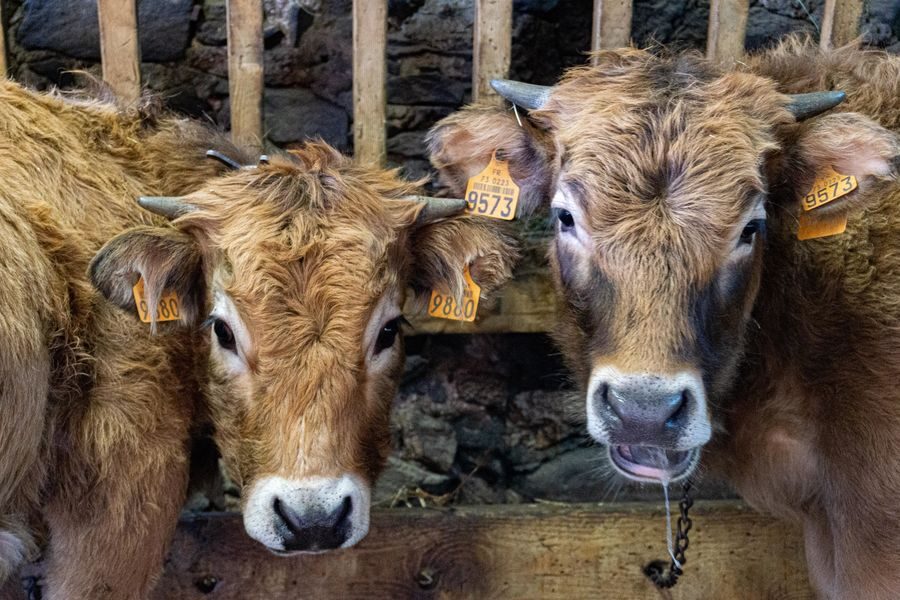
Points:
(664, 175)
(298, 270)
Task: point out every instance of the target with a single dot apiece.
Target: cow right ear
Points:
(167, 259)
(462, 144)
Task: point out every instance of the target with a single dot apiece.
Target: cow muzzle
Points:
(654, 425)
(308, 515)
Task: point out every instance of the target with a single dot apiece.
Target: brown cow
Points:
(290, 277)
(690, 312)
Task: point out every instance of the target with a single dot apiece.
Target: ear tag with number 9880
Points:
(445, 306)
(493, 193)
(168, 308)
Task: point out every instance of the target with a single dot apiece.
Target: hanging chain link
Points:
(656, 570)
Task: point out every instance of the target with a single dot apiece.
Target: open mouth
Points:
(651, 463)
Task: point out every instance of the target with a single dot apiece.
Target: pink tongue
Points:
(649, 456)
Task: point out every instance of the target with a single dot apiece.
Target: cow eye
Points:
(566, 220)
(388, 335)
(224, 335)
(754, 227)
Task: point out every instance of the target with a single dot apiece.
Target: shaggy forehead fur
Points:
(305, 248)
(663, 150)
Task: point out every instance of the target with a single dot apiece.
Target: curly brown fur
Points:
(667, 157)
(97, 408)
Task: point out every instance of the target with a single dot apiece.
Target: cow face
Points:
(297, 270)
(664, 176)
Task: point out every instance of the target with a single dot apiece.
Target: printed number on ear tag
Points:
(445, 306)
(168, 309)
(829, 185)
(493, 193)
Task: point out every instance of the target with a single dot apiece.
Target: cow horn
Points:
(166, 206)
(435, 209)
(804, 106)
(526, 95)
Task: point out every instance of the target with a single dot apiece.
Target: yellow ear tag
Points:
(493, 193)
(444, 306)
(828, 186)
(169, 308)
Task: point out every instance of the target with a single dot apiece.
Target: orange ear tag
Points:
(828, 186)
(169, 308)
(444, 306)
(493, 193)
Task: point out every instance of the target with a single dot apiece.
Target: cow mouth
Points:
(652, 463)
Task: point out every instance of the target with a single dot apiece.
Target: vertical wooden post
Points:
(611, 24)
(245, 71)
(840, 22)
(492, 47)
(369, 77)
(727, 30)
(120, 50)
(4, 65)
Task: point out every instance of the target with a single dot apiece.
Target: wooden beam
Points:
(4, 63)
(369, 76)
(245, 72)
(120, 50)
(840, 22)
(492, 47)
(514, 551)
(611, 24)
(727, 30)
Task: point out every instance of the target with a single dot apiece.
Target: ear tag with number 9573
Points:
(828, 186)
(445, 306)
(493, 193)
(168, 308)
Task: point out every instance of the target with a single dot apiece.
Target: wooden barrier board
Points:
(245, 72)
(369, 80)
(546, 551)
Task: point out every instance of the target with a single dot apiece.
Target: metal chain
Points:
(656, 570)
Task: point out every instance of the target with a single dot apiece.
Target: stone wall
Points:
(478, 418)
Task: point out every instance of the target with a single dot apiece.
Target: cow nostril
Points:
(288, 515)
(342, 513)
(676, 406)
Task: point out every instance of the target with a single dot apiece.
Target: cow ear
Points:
(849, 144)
(167, 259)
(442, 250)
(462, 144)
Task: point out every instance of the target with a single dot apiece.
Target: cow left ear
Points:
(441, 251)
(849, 144)
(167, 259)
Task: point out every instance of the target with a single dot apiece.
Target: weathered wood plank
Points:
(245, 71)
(840, 22)
(369, 80)
(120, 50)
(611, 24)
(491, 48)
(4, 63)
(524, 551)
(727, 30)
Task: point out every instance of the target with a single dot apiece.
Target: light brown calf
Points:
(690, 314)
(290, 278)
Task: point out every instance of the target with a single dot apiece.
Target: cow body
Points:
(290, 276)
(691, 314)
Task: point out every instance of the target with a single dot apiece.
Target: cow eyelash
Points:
(565, 218)
(389, 332)
(224, 334)
(751, 230)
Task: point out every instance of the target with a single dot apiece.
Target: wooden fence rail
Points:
(548, 551)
